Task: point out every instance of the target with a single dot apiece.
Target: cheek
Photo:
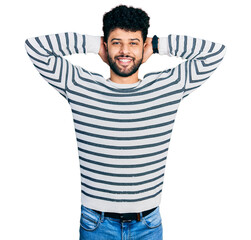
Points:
(139, 52)
(112, 52)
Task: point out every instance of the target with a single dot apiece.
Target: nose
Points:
(124, 49)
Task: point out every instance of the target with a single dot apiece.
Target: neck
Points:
(124, 80)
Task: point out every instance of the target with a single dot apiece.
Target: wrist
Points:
(164, 46)
(92, 44)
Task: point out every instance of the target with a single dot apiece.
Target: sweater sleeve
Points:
(203, 57)
(47, 52)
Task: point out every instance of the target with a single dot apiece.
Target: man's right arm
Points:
(47, 52)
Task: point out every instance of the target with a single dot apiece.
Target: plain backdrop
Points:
(206, 193)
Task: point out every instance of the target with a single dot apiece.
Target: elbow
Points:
(26, 44)
(224, 50)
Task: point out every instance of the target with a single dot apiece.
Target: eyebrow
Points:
(132, 39)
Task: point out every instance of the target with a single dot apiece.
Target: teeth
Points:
(124, 60)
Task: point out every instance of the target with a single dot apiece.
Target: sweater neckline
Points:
(124, 86)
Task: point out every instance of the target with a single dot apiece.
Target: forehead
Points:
(124, 35)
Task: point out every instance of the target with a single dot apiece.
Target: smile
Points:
(124, 60)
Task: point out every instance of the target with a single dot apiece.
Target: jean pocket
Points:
(89, 219)
(153, 219)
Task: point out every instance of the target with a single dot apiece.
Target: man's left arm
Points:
(203, 57)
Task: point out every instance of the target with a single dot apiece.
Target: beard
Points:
(122, 72)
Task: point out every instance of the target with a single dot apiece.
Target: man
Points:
(123, 124)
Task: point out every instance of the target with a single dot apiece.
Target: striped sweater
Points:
(123, 131)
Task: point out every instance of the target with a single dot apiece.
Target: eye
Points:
(115, 43)
(133, 43)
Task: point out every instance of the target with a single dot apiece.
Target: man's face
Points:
(125, 51)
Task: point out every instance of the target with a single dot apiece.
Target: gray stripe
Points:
(197, 70)
(55, 65)
(125, 103)
(122, 174)
(122, 156)
(177, 45)
(55, 80)
(202, 73)
(121, 129)
(76, 43)
(125, 111)
(121, 200)
(121, 192)
(170, 43)
(38, 60)
(84, 44)
(212, 54)
(123, 147)
(67, 43)
(212, 47)
(156, 73)
(197, 80)
(122, 183)
(186, 73)
(59, 44)
(210, 64)
(185, 47)
(124, 120)
(53, 70)
(49, 42)
(193, 48)
(63, 95)
(117, 138)
(88, 72)
(67, 76)
(58, 88)
(35, 50)
(121, 165)
(189, 89)
(201, 49)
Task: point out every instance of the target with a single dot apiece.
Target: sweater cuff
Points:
(92, 44)
(163, 46)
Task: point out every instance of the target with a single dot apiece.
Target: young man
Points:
(123, 124)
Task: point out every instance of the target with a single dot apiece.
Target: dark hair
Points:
(126, 18)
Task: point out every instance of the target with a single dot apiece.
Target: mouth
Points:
(124, 61)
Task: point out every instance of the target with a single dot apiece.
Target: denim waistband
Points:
(126, 216)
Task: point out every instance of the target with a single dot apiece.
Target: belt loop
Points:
(139, 216)
(102, 216)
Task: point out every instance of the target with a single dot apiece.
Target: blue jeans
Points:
(94, 226)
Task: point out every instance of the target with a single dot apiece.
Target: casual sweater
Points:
(123, 131)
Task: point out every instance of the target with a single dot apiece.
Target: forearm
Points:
(190, 48)
(62, 44)
(203, 58)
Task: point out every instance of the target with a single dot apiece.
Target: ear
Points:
(147, 50)
(106, 46)
(144, 55)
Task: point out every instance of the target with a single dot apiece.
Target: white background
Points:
(207, 192)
